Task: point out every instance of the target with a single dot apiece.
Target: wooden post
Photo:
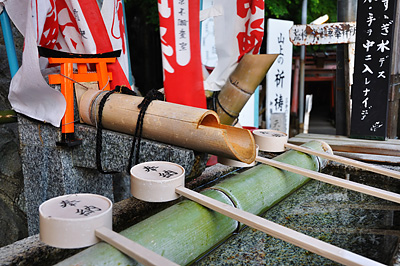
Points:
(394, 95)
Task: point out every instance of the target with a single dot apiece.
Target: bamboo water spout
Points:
(185, 126)
(241, 85)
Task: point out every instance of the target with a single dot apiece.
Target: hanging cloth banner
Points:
(180, 44)
(29, 93)
(66, 25)
(238, 31)
(113, 17)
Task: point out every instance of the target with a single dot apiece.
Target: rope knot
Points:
(151, 96)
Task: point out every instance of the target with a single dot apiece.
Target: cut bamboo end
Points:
(236, 163)
(70, 221)
(241, 84)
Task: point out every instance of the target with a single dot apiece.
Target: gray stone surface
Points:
(13, 224)
(50, 170)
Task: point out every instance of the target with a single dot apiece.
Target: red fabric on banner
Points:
(250, 40)
(180, 39)
(98, 30)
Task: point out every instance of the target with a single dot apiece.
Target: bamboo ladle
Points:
(80, 220)
(276, 141)
(348, 161)
(380, 193)
(164, 181)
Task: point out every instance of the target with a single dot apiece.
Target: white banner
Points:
(74, 26)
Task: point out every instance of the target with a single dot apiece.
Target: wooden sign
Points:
(279, 76)
(372, 70)
(329, 33)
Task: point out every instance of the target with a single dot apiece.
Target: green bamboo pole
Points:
(8, 116)
(187, 230)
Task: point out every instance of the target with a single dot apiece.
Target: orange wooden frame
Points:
(67, 77)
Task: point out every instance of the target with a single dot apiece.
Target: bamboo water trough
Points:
(231, 201)
(160, 189)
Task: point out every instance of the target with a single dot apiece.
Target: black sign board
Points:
(372, 70)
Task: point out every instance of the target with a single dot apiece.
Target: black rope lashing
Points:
(150, 96)
(124, 90)
(217, 102)
(99, 134)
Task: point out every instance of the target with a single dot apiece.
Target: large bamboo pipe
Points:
(241, 85)
(187, 230)
(185, 126)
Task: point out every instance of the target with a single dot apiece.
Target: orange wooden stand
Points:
(67, 77)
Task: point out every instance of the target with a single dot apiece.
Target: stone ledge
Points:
(50, 170)
(31, 251)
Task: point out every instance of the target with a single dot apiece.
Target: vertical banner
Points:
(180, 44)
(372, 70)
(279, 76)
(112, 12)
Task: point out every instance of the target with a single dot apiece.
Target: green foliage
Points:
(276, 8)
(291, 9)
(282, 9)
(148, 10)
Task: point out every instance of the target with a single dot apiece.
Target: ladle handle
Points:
(134, 250)
(376, 192)
(340, 159)
(314, 245)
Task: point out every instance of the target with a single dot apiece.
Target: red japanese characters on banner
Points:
(180, 43)
(250, 40)
(74, 26)
(83, 30)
